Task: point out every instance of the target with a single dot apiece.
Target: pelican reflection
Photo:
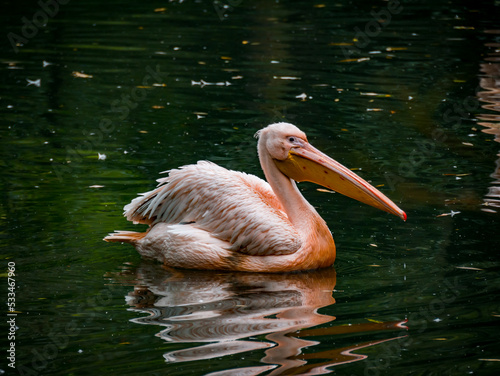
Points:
(229, 313)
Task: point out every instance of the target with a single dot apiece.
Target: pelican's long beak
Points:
(309, 164)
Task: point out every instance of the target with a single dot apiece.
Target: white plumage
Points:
(226, 204)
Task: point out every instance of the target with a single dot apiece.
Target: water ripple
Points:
(233, 313)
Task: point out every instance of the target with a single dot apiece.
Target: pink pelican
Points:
(203, 216)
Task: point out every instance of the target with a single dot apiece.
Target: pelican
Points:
(203, 216)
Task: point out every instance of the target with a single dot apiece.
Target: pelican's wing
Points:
(232, 206)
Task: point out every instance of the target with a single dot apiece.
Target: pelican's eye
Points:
(291, 139)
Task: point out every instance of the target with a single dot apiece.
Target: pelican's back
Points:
(229, 205)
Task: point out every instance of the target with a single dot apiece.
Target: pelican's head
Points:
(296, 158)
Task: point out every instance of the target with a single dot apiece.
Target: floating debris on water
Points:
(81, 75)
(204, 83)
(37, 82)
(452, 213)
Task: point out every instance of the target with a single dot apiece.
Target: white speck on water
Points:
(36, 82)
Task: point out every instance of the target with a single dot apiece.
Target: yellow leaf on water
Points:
(81, 75)
(490, 360)
(355, 60)
(379, 95)
(396, 48)
(467, 268)
(324, 190)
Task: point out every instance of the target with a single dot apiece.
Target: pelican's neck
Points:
(318, 247)
(299, 211)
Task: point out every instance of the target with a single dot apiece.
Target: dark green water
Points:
(394, 90)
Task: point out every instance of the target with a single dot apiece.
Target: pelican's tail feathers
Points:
(125, 237)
